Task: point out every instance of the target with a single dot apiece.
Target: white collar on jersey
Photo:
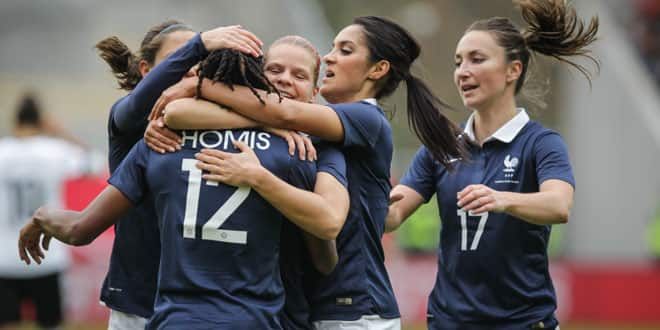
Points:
(506, 133)
(371, 101)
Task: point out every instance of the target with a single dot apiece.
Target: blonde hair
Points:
(299, 41)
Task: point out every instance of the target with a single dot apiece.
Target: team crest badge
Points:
(510, 165)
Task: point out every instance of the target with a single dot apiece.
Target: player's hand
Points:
(28, 242)
(296, 141)
(160, 139)
(235, 169)
(479, 198)
(233, 37)
(184, 88)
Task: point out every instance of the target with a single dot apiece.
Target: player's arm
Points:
(71, 227)
(314, 119)
(403, 202)
(321, 213)
(190, 113)
(416, 187)
(551, 205)
(322, 252)
(132, 111)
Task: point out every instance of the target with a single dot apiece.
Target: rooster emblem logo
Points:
(510, 164)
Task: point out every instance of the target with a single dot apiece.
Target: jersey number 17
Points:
(483, 217)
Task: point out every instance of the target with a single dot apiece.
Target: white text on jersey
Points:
(224, 139)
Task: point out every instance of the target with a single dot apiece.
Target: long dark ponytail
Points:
(388, 41)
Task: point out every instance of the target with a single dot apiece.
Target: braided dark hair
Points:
(231, 67)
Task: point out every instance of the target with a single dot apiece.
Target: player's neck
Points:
(489, 119)
(25, 131)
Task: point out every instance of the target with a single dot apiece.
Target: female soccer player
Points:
(497, 207)
(368, 61)
(292, 64)
(218, 265)
(130, 284)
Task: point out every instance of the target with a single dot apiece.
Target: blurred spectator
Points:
(33, 167)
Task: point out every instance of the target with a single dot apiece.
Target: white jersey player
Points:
(33, 169)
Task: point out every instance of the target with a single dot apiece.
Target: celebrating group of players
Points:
(227, 218)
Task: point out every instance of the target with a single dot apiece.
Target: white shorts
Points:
(123, 321)
(367, 322)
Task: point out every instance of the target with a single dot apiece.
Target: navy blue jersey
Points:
(219, 244)
(294, 259)
(493, 267)
(359, 285)
(130, 284)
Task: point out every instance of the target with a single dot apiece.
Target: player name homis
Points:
(224, 139)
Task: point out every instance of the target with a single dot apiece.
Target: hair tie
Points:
(175, 26)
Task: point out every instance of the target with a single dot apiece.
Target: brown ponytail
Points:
(554, 30)
(124, 64)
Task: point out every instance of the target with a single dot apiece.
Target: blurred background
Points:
(606, 260)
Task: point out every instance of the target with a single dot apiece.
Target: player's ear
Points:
(514, 70)
(379, 70)
(143, 67)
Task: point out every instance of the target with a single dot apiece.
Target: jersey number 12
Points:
(211, 229)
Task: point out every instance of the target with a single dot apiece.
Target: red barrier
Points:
(612, 292)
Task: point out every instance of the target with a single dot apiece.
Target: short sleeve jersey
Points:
(219, 244)
(493, 267)
(359, 285)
